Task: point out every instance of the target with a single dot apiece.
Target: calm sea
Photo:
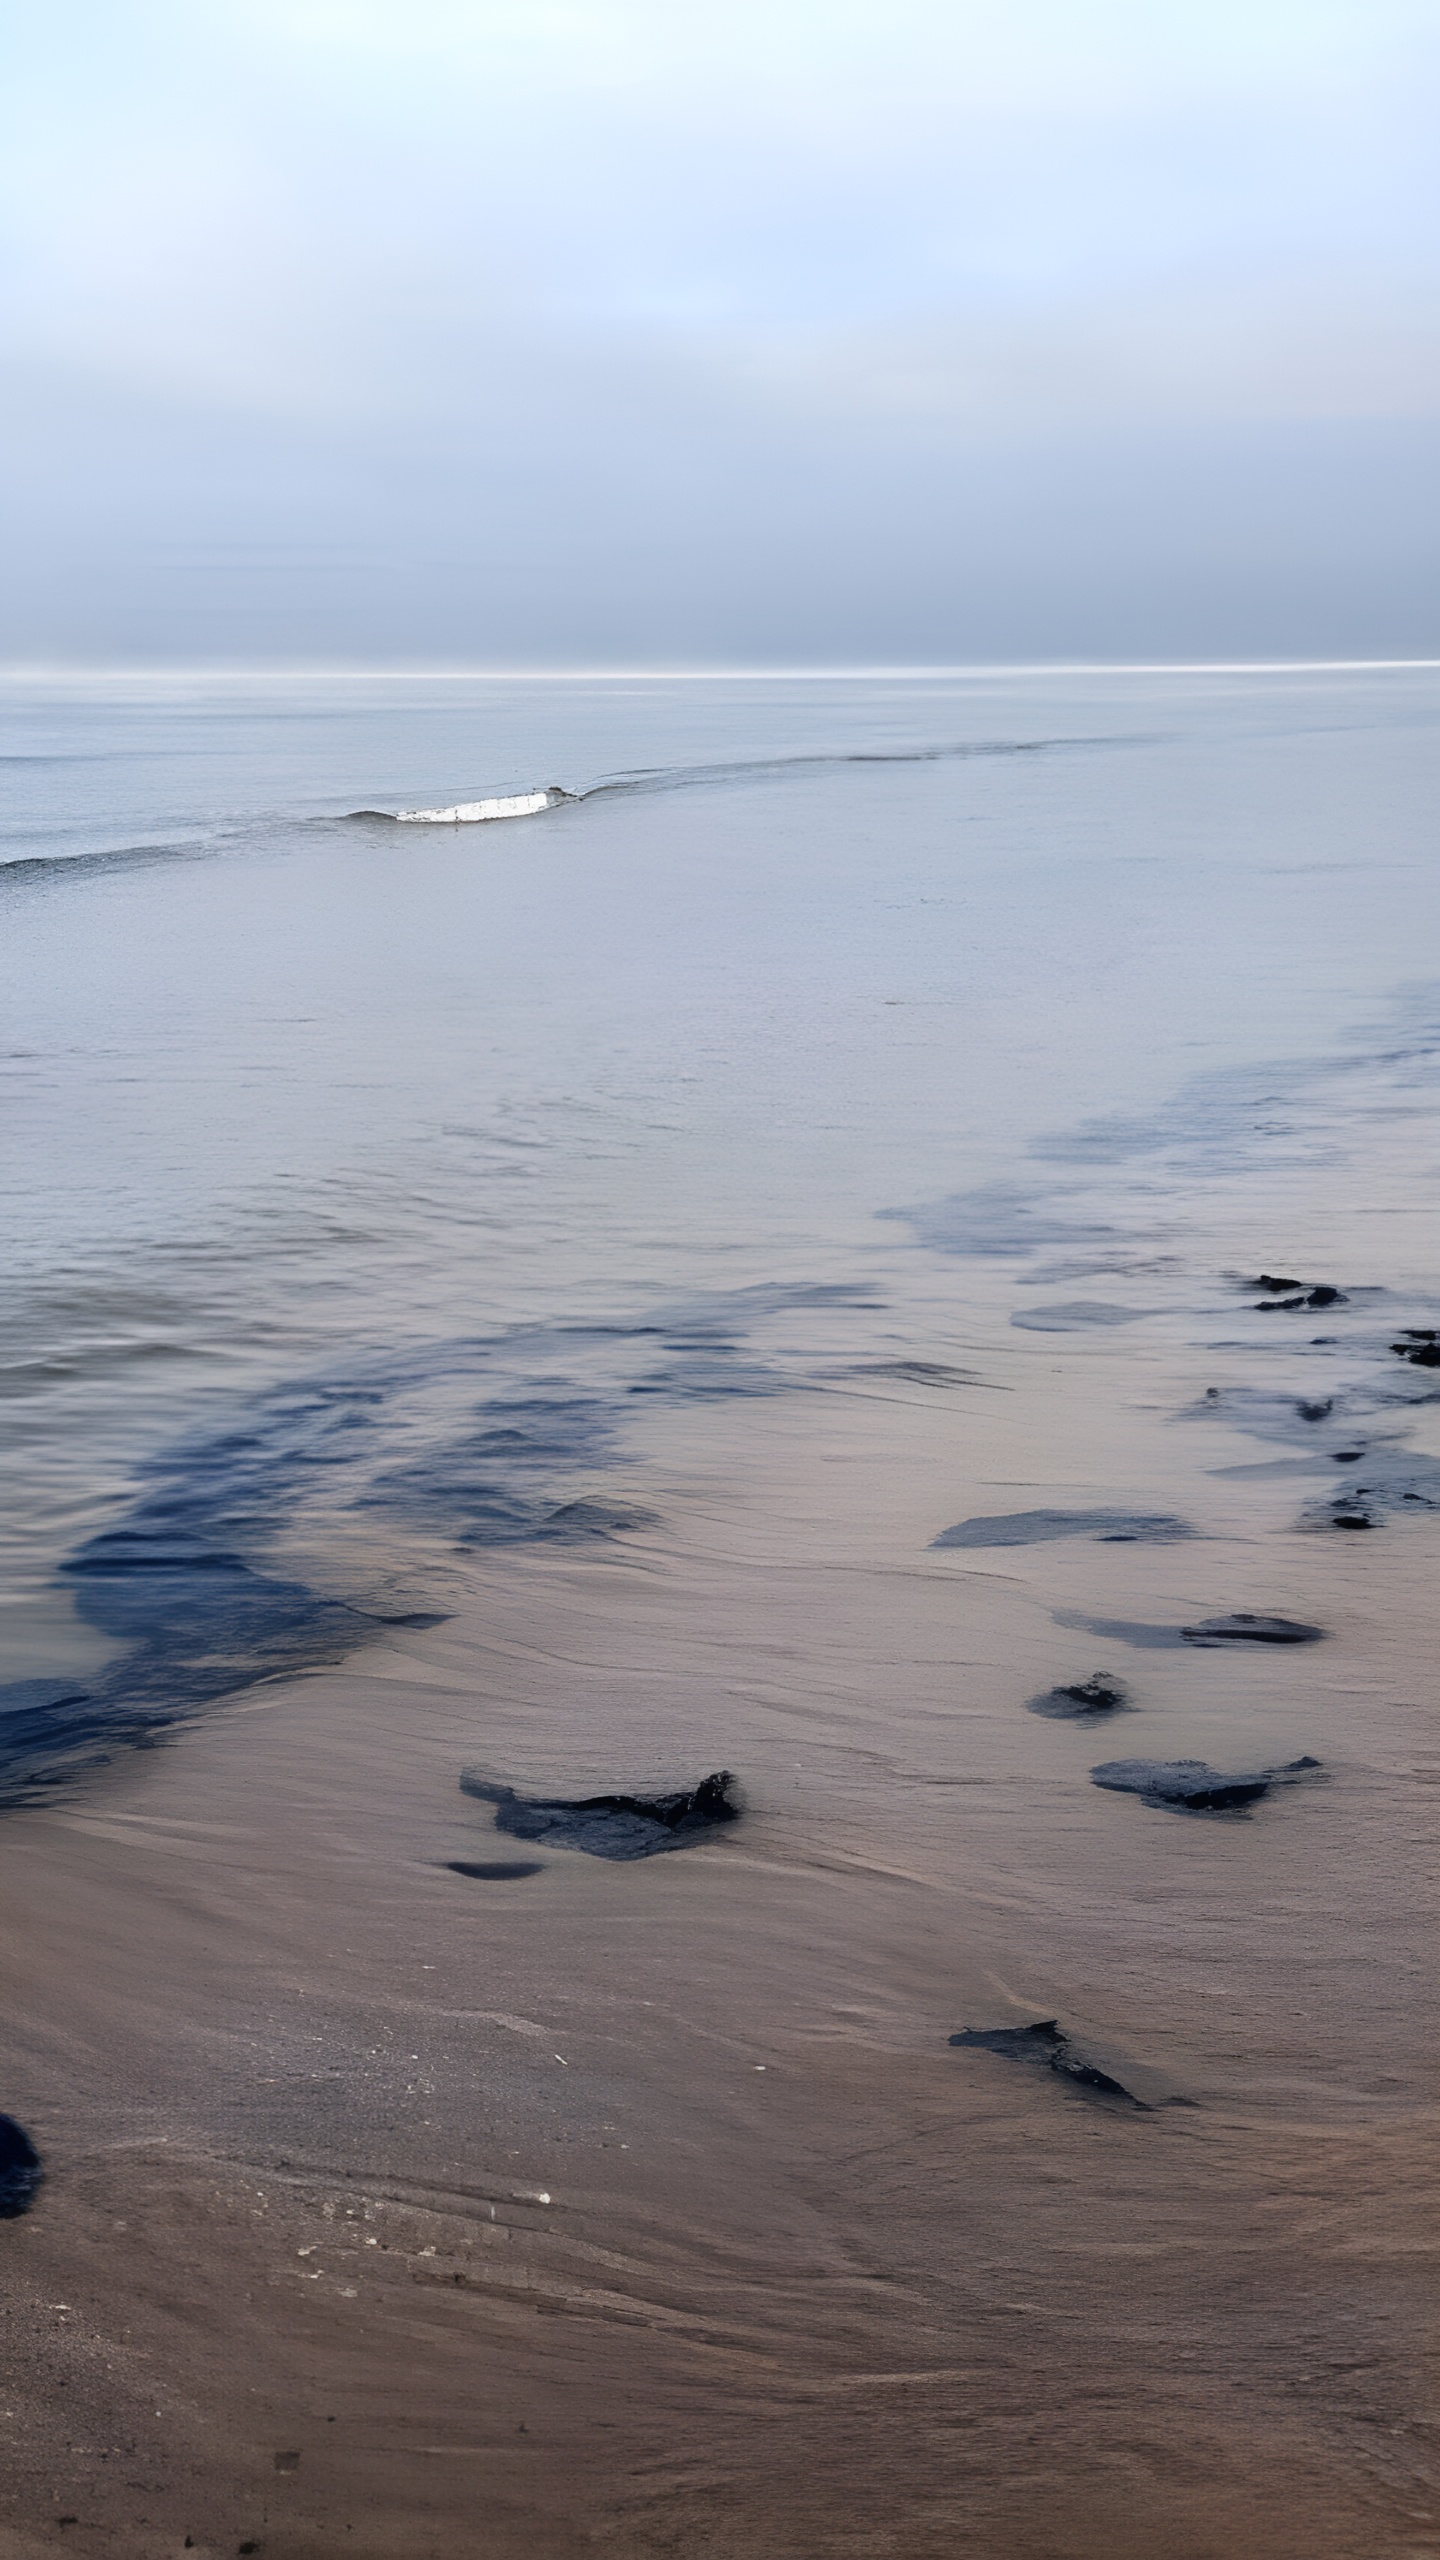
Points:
(378, 1188)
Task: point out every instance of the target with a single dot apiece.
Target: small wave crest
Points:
(19, 865)
(531, 804)
(473, 813)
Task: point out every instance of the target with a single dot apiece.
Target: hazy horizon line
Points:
(58, 671)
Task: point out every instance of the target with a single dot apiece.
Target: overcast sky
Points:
(583, 332)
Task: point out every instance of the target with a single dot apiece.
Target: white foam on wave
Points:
(471, 813)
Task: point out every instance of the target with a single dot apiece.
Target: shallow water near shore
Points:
(750, 1266)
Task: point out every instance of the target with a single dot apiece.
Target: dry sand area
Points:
(646, 2209)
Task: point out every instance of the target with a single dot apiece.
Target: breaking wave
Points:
(695, 777)
(473, 813)
(233, 836)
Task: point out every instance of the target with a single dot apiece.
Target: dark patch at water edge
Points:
(495, 1870)
(21, 2170)
(1190, 1786)
(1242, 1627)
(1037, 1528)
(1084, 1701)
(611, 1826)
(180, 1581)
(1249, 1626)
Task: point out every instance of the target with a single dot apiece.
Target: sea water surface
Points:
(374, 1185)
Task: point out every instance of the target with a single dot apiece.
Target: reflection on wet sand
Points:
(792, 2275)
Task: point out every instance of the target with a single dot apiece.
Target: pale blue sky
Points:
(607, 331)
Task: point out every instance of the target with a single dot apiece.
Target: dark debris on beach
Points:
(21, 2172)
(1046, 2047)
(1083, 1701)
(612, 1826)
(1248, 1626)
(1279, 1294)
(1191, 1786)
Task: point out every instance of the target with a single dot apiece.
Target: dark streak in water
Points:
(646, 780)
(998, 1221)
(1076, 1315)
(1242, 1627)
(918, 1373)
(1382, 1479)
(1132, 1631)
(1037, 1528)
(183, 1583)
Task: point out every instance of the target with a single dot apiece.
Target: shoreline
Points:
(842, 1281)
(842, 2282)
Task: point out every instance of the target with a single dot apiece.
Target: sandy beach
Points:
(646, 2208)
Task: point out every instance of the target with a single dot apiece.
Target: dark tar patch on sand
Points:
(1290, 1296)
(20, 2170)
(611, 1826)
(1242, 1627)
(1085, 1701)
(496, 1870)
(1247, 1626)
(1046, 2047)
(1190, 1786)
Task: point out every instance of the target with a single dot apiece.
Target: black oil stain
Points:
(1189, 1786)
(1085, 1701)
(21, 2170)
(1046, 2046)
(611, 1826)
(1247, 1626)
(496, 1870)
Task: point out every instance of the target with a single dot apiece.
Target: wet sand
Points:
(646, 2208)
